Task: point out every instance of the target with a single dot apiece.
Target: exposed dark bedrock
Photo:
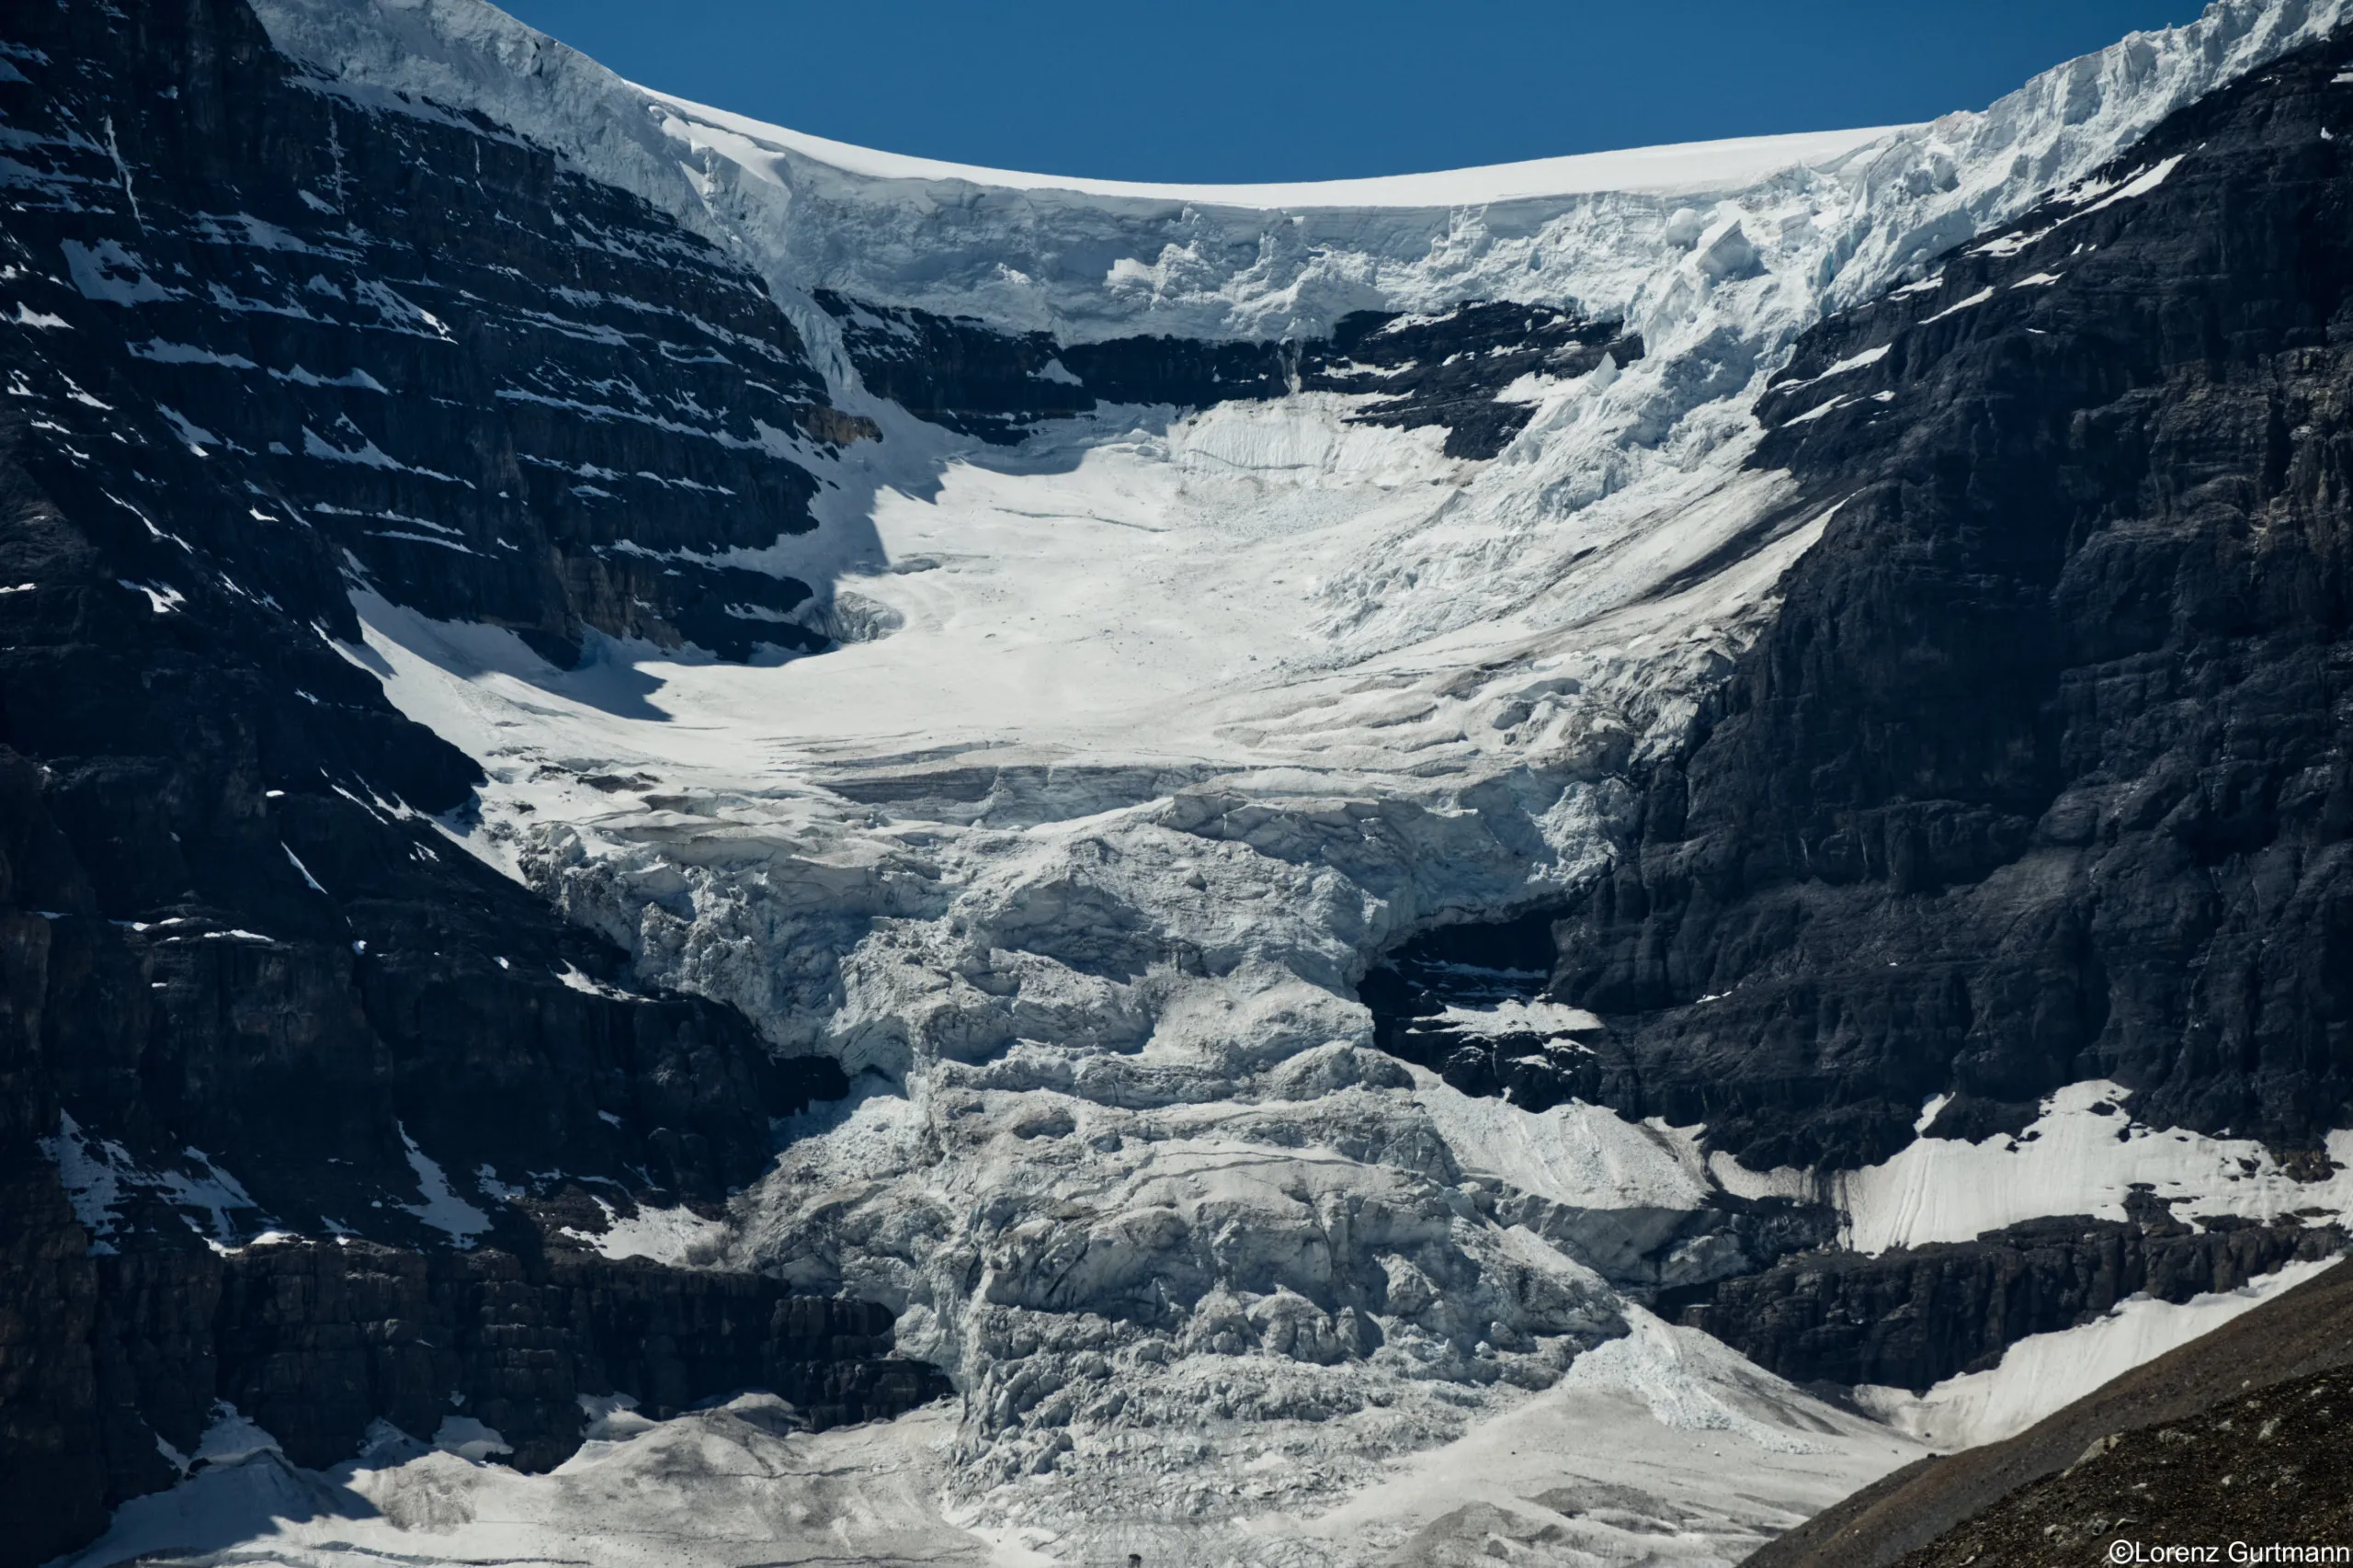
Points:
(1914, 1317)
(316, 1341)
(1447, 369)
(1476, 966)
(224, 926)
(2044, 771)
(513, 395)
(963, 373)
(238, 957)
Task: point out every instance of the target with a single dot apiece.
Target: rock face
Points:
(2144, 1456)
(316, 1342)
(2271, 1466)
(1914, 1317)
(249, 983)
(2040, 773)
(1446, 371)
(511, 394)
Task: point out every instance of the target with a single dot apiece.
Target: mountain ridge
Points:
(193, 762)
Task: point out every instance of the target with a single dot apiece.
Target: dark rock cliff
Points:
(316, 1341)
(1912, 1318)
(1412, 371)
(424, 352)
(2044, 771)
(262, 345)
(2047, 1496)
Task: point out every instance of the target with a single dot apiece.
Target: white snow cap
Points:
(1685, 167)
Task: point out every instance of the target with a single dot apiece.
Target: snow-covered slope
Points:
(1659, 171)
(1706, 1459)
(2048, 1371)
(1149, 733)
(1834, 214)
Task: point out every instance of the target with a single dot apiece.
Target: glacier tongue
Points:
(1160, 726)
(1082, 899)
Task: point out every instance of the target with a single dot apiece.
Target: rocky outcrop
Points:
(2040, 773)
(2057, 1473)
(1453, 370)
(2272, 1468)
(317, 1341)
(1916, 1316)
(1475, 966)
(1449, 370)
(265, 345)
(426, 354)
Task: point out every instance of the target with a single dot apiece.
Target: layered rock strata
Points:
(1916, 1316)
(267, 345)
(2041, 771)
(1450, 370)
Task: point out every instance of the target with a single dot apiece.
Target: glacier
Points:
(1144, 738)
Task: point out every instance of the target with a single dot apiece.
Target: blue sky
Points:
(1218, 90)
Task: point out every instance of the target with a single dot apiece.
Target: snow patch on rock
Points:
(441, 1207)
(2083, 1155)
(2047, 1373)
(100, 1174)
(679, 1237)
